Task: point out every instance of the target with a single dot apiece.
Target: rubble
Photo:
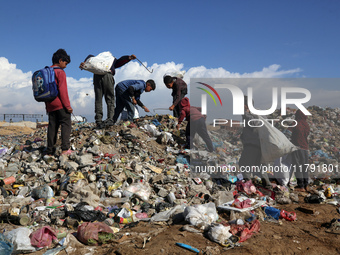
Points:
(131, 173)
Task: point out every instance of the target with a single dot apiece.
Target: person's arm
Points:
(123, 60)
(63, 92)
(81, 66)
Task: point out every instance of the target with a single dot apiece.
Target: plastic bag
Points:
(21, 240)
(219, 233)
(43, 237)
(100, 64)
(272, 212)
(94, 233)
(274, 144)
(125, 116)
(290, 216)
(81, 213)
(247, 187)
(166, 215)
(141, 190)
(152, 129)
(201, 215)
(42, 192)
(284, 163)
(6, 247)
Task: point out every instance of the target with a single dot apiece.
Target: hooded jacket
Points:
(190, 113)
(301, 131)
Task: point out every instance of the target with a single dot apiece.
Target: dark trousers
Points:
(103, 87)
(199, 127)
(251, 160)
(299, 161)
(123, 100)
(55, 119)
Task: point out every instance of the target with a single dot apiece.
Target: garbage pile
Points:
(134, 172)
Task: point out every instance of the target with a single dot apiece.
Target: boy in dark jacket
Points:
(179, 90)
(128, 95)
(59, 110)
(196, 121)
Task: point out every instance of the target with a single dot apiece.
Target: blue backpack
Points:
(44, 87)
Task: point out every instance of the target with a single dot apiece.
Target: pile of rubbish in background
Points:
(139, 171)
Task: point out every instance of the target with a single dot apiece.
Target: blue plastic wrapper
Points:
(6, 247)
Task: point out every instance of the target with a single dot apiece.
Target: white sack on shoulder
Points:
(100, 64)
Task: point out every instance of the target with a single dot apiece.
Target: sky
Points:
(207, 39)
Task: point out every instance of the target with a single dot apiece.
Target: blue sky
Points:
(205, 38)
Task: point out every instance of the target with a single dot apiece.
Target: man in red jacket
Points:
(59, 110)
(197, 123)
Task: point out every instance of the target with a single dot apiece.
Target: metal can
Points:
(109, 221)
(8, 181)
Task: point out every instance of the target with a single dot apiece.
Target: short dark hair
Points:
(168, 79)
(60, 54)
(152, 84)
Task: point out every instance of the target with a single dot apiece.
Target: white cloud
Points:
(11, 77)
(16, 92)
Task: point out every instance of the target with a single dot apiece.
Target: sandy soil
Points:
(13, 129)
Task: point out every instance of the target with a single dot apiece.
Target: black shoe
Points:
(99, 125)
(109, 123)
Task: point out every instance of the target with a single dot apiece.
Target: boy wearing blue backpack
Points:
(59, 110)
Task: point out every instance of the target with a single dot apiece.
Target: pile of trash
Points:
(134, 172)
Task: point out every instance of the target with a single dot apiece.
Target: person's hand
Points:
(132, 57)
(134, 101)
(178, 126)
(81, 65)
(146, 109)
(69, 110)
(171, 107)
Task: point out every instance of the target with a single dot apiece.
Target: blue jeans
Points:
(123, 100)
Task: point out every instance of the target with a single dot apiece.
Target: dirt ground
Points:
(306, 235)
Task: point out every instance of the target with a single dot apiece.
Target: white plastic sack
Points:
(219, 233)
(201, 215)
(21, 240)
(152, 129)
(99, 64)
(141, 190)
(274, 144)
(283, 165)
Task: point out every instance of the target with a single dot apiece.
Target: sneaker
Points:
(99, 125)
(109, 123)
(68, 152)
